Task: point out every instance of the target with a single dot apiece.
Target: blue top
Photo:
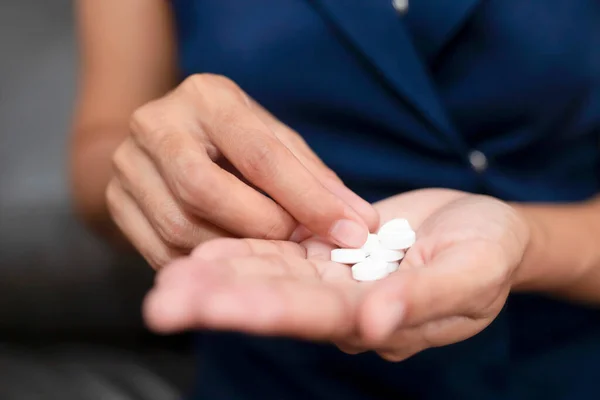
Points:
(408, 98)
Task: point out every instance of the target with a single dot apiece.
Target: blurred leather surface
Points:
(53, 273)
(70, 321)
(87, 373)
(55, 277)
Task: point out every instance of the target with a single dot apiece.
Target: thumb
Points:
(463, 280)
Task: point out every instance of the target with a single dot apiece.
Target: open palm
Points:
(450, 285)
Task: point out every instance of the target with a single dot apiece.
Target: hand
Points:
(451, 284)
(197, 163)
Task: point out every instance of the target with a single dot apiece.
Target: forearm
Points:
(127, 53)
(91, 170)
(563, 255)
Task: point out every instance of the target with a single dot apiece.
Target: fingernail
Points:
(348, 233)
(392, 316)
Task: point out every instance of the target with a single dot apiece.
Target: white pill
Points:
(393, 267)
(387, 255)
(371, 244)
(397, 240)
(395, 225)
(348, 256)
(370, 270)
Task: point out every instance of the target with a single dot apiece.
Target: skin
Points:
(200, 162)
(471, 252)
(201, 166)
(451, 284)
(127, 58)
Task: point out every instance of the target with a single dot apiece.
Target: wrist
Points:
(526, 273)
(561, 250)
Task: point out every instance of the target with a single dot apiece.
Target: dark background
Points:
(57, 266)
(70, 324)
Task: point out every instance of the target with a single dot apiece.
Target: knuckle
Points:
(222, 92)
(350, 350)
(160, 122)
(121, 159)
(197, 189)
(222, 81)
(175, 230)
(213, 83)
(215, 80)
(260, 162)
(112, 196)
(143, 120)
(393, 356)
(158, 258)
(193, 82)
(275, 229)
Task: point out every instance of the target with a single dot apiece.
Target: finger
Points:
(358, 204)
(314, 249)
(300, 233)
(233, 255)
(134, 225)
(261, 157)
(284, 306)
(272, 167)
(463, 280)
(207, 272)
(235, 248)
(318, 249)
(406, 342)
(317, 167)
(336, 186)
(140, 179)
(352, 344)
(351, 349)
(203, 188)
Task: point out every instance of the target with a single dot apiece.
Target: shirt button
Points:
(478, 161)
(401, 6)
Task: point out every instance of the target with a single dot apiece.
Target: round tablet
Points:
(371, 244)
(387, 254)
(393, 267)
(395, 225)
(397, 240)
(348, 256)
(370, 270)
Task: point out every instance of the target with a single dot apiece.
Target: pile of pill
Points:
(381, 254)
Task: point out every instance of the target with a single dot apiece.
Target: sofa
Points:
(70, 321)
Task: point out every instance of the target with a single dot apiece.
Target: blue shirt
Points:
(500, 97)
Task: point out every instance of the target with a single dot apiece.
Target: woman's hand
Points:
(196, 167)
(451, 284)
